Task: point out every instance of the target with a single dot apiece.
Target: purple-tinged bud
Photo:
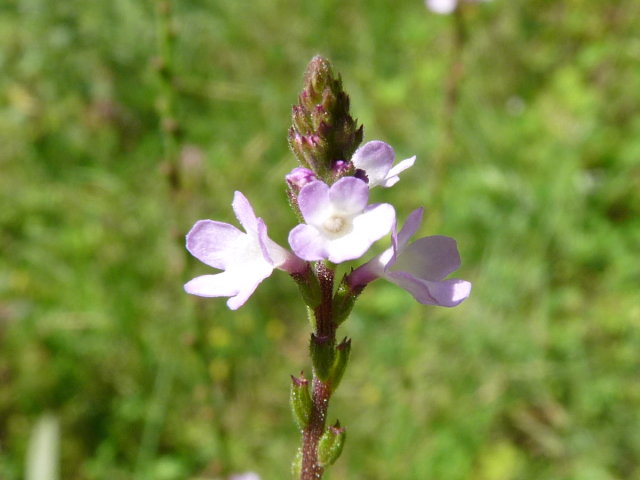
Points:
(300, 400)
(341, 169)
(322, 117)
(299, 177)
(331, 444)
(314, 140)
(301, 120)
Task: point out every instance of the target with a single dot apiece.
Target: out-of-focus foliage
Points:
(535, 170)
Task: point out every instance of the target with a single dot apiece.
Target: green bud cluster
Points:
(323, 132)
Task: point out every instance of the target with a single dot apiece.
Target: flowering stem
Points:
(311, 469)
(325, 328)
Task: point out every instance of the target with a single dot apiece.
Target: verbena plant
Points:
(329, 193)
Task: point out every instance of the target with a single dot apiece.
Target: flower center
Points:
(335, 224)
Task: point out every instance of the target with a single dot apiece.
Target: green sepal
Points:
(343, 301)
(322, 355)
(296, 465)
(300, 400)
(331, 444)
(340, 363)
(309, 287)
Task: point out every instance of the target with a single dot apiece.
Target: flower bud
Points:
(341, 169)
(300, 400)
(299, 177)
(330, 444)
(323, 132)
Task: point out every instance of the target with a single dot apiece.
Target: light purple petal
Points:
(395, 247)
(276, 255)
(447, 293)
(368, 227)
(389, 181)
(308, 243)
(248, 287)
(411, 225)
(237, 283)
(215, 243)
(392, 176)
(375, 158)
(376, 221)
(429, 258)
(313, 201)
(413, 285)
(218, 285)
(244, 212)
(263, 241)
(348, 247)
(349, 195)
(366, 273)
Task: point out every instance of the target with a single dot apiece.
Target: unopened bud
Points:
(300, 400)
(323, 130)
(299, 177)
(331, 444)
(341, 169)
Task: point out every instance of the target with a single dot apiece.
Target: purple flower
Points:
(340, 226)
(299, 177)
(376, 159)
(419, 268)
(246, 258)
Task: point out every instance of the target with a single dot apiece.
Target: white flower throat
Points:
(337, 225)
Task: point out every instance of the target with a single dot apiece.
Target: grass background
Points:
(534, 169)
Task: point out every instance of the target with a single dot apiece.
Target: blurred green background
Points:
(525, 119)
